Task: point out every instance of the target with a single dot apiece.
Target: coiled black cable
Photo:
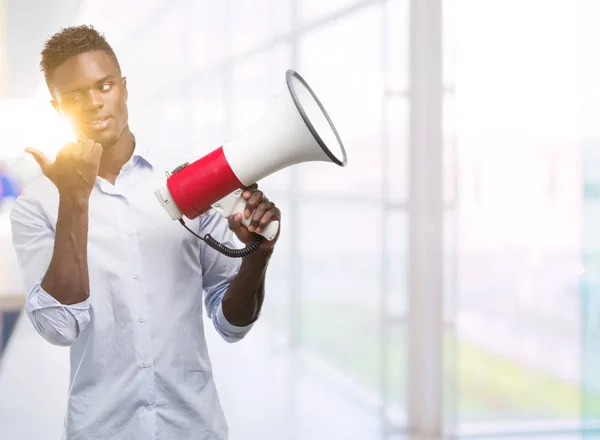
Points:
(220, 247)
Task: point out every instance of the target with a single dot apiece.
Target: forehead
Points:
(83, 70)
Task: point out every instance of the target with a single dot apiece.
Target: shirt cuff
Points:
(43, 300)
(227, 326)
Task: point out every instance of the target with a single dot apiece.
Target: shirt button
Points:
(134, 277)
(129, 233)
(145, 365)
(140, 319)
(149, 408)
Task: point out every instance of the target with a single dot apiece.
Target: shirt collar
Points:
(142, 151)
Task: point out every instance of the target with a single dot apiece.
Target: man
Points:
(109, 274)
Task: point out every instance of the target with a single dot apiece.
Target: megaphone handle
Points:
(234, 203)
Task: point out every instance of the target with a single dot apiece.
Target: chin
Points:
(108, 140)
(105, 139)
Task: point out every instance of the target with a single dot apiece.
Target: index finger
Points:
(249, 190)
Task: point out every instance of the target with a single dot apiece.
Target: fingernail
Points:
(258, 229)
(246, 194)
(247, 213)
(251, 228)
(238, 216)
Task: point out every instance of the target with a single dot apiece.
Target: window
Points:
(518, 319)
(396, 161)
(208, 112)
(311, 10)
(208, 33)
(340, 64)
(396, 27)
(269, 18)
(280, 278)
(341, 262)
(157, 63)
(256, 81)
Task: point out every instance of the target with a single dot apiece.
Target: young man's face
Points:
(90, 91)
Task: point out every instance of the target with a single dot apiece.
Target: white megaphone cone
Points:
(297, 129)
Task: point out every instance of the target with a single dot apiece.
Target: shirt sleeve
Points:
(33, 241)
(218, 272)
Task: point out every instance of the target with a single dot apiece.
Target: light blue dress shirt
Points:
(139, 362)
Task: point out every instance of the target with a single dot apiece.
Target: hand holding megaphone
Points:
(254, 213)
(251, 208)
(297, 129)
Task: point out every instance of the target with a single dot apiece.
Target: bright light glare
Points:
(32, 122)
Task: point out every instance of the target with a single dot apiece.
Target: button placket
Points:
(138, 284)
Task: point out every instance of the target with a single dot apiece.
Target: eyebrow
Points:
(100, 81)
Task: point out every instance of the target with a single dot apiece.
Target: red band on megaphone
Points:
(200, 184)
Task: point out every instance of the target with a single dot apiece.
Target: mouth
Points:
(98, 123)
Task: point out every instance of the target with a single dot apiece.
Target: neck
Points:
(116, 156)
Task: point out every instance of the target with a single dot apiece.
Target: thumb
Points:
(40, 158)
(235, 222)
(236, 226)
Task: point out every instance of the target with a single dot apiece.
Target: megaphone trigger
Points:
(234, 203)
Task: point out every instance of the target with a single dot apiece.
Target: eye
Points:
(106, 87)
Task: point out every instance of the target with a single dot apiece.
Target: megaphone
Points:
(296, 129)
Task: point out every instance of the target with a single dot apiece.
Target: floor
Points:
(258, 403)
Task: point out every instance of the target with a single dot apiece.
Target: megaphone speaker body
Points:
(296, 129)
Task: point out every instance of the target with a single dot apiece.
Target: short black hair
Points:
(70, 42)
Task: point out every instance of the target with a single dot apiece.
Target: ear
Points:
(56, 107)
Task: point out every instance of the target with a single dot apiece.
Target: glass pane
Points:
(311, 10)
(157, 58)
(397, 135)
(343, 66)
(450, 148)
(448, 41)
(256, 80)
(117, 28)
(519, 230)
(170, 110)
(396, 22)
(590, 272)
(589, 41)
(207, 128)
(256, 22)
(395, 312)
(451, 238)
(279, 281)
(396, 264)
(590, 283)
(395, 379)
(207, 31)
(340, 267)
(450, 340)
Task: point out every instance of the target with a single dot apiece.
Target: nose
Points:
(94, 100)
